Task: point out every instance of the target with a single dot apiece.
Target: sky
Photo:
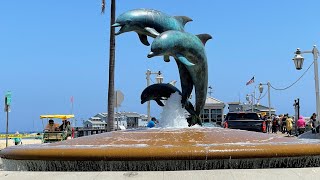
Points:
(53, 50)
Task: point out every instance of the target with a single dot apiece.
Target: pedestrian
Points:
(274, 125)
(269, 125)
(301, 124)
(152, 122)
(313, 120)
(289, 125)
(17, 139)
(284, 123)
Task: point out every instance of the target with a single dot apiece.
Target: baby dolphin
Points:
(149, 22)
(162, 91)
(189, 53)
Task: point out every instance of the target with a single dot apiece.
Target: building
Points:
(124, 119)
(94, 123)
(212, 111)
(237, 106)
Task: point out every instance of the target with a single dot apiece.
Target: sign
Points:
(8, 98)
(118, 98)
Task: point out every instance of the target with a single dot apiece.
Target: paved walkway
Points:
(233, 174)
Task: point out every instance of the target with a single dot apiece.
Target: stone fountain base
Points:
(166, 150)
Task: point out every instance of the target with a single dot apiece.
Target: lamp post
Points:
(159, 79)
(261, 90)
(296, 105)
(250, 101)
(298, 62)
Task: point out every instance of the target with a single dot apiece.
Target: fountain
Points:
(168, 149)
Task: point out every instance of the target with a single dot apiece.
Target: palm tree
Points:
(110, 123)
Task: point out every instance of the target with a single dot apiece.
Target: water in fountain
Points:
(173, 115)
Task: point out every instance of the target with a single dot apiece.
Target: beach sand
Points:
(24, 142)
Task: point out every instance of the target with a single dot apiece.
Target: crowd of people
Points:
(285, 123)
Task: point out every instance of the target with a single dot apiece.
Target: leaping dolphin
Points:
(189, 53)
(162, 91)
(149, 22)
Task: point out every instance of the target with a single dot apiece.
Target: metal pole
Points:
(315, 53)
(269, 99)
(148, 84)
(7, 110)
(298, 108)
(117, 110)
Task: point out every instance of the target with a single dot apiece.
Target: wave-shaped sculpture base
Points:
(165, 149)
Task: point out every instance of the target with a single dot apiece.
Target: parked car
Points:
(245, 121)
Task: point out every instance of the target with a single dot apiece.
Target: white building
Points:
(125, 119)
(212, 111)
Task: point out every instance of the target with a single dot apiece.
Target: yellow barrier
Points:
(18, 135)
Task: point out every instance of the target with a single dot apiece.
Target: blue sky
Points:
(52, 50)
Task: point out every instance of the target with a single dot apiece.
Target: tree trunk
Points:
(110, 124)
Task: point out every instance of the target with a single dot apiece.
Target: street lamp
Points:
(159, 79)
(261, 90)
(298, 62)
(250, 101)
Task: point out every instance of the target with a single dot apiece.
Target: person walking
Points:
(284, 123)
(313, 120)
(289, 125)
(269, 125)
(301, 124)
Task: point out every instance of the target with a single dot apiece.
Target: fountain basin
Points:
(166, 149)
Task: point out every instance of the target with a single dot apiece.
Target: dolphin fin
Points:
(159, 102)
(184, 60)
(204, 37)
(152, 31)
(166, 58)
(183, 19)
(116, 25)
(144, 39)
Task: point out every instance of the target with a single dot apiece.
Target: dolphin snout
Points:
(151, 54)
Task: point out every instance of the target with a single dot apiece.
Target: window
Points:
(216, 115)
(205, 115)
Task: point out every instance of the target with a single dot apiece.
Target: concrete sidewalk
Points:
(233, 174)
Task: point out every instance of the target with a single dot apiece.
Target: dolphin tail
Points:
(143, 39)
(183, 19)
(204, 37)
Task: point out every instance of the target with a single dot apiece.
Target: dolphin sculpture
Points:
(189, 52)
(162, 91)
(149, 22)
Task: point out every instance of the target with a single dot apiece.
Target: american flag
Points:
(250, 81)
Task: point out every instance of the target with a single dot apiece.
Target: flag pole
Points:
(71, 99)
